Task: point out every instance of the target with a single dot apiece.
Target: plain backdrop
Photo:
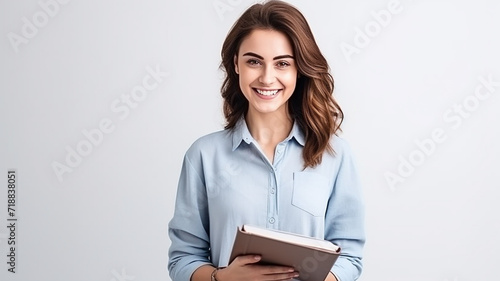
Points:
(406, 82)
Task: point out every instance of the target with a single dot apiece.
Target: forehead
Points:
(267, 43)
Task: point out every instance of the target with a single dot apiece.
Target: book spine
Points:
(241, 248)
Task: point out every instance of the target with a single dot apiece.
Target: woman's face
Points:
(267, 71)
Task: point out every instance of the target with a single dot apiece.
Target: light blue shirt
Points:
(227, 181)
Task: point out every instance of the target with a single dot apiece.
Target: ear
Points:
(236, 64)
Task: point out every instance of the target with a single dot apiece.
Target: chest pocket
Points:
(311, 192)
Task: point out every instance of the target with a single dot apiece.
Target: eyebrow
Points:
(275, 58)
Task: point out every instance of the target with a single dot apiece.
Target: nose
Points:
(268, 75)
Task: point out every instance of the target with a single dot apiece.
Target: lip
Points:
(264, 96)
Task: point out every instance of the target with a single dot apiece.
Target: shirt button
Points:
(271, 220)
(272, 191)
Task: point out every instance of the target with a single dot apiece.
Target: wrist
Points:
(215, 274)
(331, 277)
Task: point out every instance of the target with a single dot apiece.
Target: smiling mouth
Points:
(267, 93)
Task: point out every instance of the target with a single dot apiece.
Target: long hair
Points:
(312, 104)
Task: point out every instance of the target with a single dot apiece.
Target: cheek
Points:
(289, 79)
(247, 76)
(242, 79)
(244, 82)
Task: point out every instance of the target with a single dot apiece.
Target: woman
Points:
(278, 164)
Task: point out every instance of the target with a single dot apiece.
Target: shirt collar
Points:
(241, 133)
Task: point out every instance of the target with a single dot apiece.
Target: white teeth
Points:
(267, 93)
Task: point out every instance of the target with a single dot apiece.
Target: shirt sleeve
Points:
(188, 229)
(344, 220)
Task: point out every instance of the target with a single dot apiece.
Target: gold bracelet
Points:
(212, 276)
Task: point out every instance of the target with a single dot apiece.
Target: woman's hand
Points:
(245, 268)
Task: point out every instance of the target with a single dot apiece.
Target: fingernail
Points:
(256, 258)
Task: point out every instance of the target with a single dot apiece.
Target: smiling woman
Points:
(277, 164)
(267, 79)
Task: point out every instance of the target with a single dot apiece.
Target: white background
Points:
(107, 218)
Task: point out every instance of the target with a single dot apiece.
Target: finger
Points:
(276, 269)
(282, 276)
(274, 272)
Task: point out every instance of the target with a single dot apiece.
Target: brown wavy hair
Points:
(312, 104)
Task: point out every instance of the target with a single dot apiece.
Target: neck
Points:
(269, 129)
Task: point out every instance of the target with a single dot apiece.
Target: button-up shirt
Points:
(227, 181)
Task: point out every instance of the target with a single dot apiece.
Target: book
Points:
(311, 257)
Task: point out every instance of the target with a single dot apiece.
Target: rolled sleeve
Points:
(344, 221)
(188, 229)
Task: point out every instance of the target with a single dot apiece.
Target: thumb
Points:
(247, 259)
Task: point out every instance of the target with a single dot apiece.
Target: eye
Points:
(253, 62)
(282, 64)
